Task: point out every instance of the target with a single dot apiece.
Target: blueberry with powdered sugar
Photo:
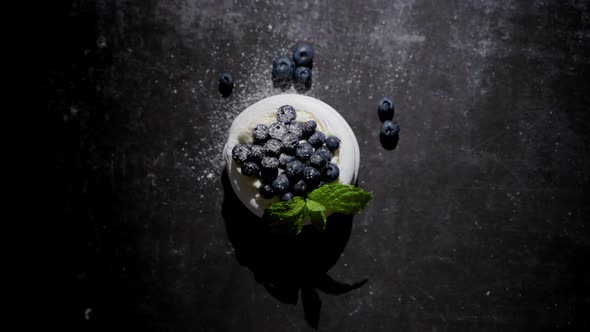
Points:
(296, 127)
(272, 148)
(286, 114)
(240, 153)
(260, 133)
(277, 130)
(290, 142)
(285, 159)
(256, 153)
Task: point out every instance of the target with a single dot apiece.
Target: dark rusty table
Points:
(479, 220)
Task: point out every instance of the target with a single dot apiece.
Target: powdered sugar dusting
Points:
(253, 82)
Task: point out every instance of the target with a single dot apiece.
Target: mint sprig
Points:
(341, 198)
(287, 217)
(317, 213)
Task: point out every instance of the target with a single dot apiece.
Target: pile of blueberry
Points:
(290, 157)
(296, 68)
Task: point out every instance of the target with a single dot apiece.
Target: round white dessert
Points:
(329, 121)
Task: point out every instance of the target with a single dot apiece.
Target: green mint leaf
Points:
(341, 198)
(317, 214)
(286, 217)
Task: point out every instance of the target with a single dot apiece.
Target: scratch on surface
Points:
(490, 139)
(409, 38)
(427, 294)
(355, 310)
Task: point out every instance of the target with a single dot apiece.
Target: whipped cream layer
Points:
(329, 121)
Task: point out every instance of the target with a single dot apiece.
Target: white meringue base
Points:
(329, 121)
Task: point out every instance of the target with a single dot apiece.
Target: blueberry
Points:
(304, 151)
(260, 133)
(324, 151)
(268, 176)
(330, 172)
(317, 160)
(277, 130)
(290, 142)
(385, 109)
(250, 169)
(272, 148)
(311, 176)
(269, 165)
(332, 143)
(226, 84)
(317, 139)
(309, 128)
(266, 190)
(286, 114)
(296, 127)
(294, 170)
(299, 188)
(287, 197)
(284, 159)
(256, 153)
(302, 78)
(389, 129)
(240, 153)
(281, 184)
(303, 55)
(282, 68)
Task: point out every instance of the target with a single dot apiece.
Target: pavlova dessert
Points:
(293, 159)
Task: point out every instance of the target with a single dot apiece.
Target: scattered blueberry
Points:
(303, 55)
(317, 139)
(269, 165)
(260, 133)
(389, 129)
(290, 142)
(302, 78)
(284, 159)
(256, 153)
(330, 172)
(226, 84)
(304, 151)
(281, 184)
(324, 151)
(266, 190)
(332, 143)
(311, 176)
(287, 197)
(286, 114)
(282, 68)
(240, 153)
(299, 188)
(296, 128)
(309, 128)
(294, 170)
(277, 130)
(385, 109)
(250, 169)
(317, 160)
(272, 147)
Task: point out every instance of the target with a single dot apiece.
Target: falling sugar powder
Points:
(255, 83)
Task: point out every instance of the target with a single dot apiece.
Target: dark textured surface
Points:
(480, 216)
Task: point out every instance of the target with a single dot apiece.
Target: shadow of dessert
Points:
(284, 266)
